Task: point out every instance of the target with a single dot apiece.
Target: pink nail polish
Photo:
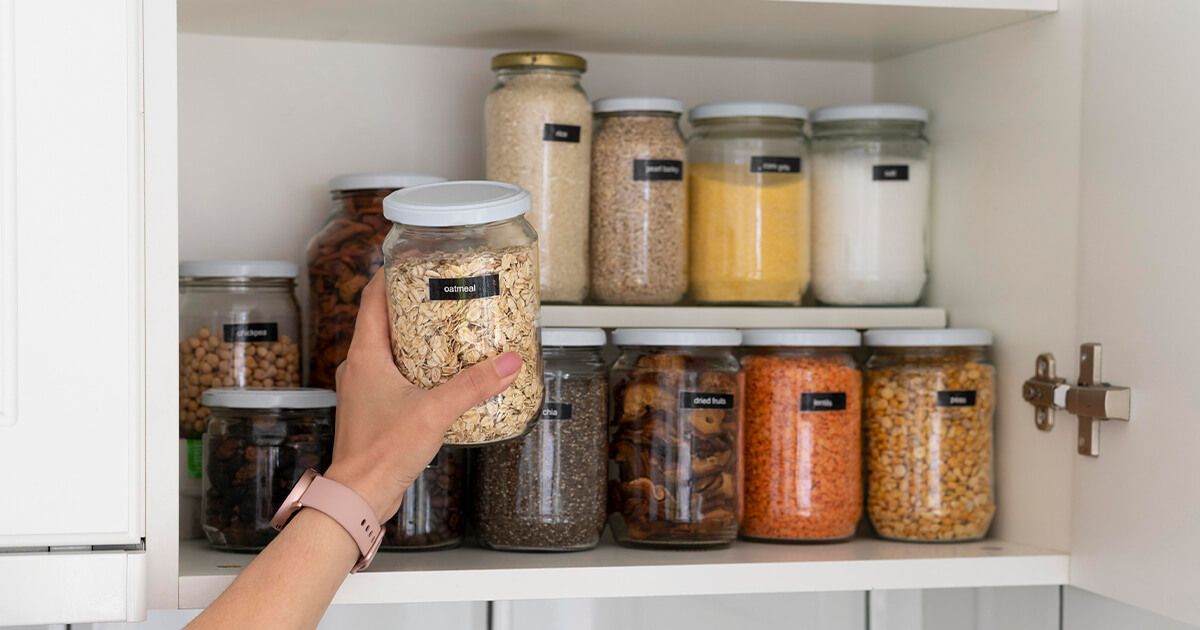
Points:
(508, 363)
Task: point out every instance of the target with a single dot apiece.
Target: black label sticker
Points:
(890, 173)
(956, 398)
(556, 411)
(657, 170)
(774, 164)
(705, 400)
(464, 288)
(560, 133)
(823, 401)
(261, 331)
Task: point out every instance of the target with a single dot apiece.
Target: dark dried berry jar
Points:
(431, 512)
(258, 444)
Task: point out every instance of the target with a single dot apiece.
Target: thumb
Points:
(475, 384)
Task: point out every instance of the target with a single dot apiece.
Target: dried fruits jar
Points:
(546, 491)
(431, 513)
(802, 441)
(342, 256)
(258, 444)
(930, 396)
(674, 437)
(748, 190)
(462, 281)
(870, 182)
(539, 136)
(639, 202)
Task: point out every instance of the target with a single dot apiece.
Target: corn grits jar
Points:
(930, 399)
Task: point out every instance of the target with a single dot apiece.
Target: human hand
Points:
(388, 429)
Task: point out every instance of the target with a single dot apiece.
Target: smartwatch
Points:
(339, 503)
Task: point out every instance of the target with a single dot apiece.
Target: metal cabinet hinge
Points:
(1092, 400)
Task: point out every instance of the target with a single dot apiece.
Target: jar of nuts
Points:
(674, 437)
(930, 398)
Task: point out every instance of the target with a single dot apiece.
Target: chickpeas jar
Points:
(639, 202)
(930, 397)
(674, 437)
(258, 444)
(802, 440)
(431, 514)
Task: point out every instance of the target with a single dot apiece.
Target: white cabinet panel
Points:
(1087, 611)
(461, 616)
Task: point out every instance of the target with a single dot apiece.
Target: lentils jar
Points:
(931, 396)
(431, 514)
(461, 266)
(870, 204)
(342, 256)
(639, 202)
(802, 454)
(539, 136)
(748, 189)
(258, 444)
(674, 437)
(547, 490)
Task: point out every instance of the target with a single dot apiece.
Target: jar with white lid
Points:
(342, 256)
(930, 400)
(871, 166)
(461, 266)
(674, 437)
(258, 444)
(748, 192)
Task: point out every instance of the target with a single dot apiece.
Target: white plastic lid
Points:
(802, 337)
(278, 398)
(871, 111)
(456, 203)
(573, 337)
(920, 337)
(237, 269)
(734, 109)
(367, 181)
(676, 337)
(637, 104)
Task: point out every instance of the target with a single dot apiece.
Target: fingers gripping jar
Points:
(462, 286)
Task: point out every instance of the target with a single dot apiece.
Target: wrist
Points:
(368, 486)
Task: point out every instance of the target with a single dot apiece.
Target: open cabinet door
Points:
(1136, 507)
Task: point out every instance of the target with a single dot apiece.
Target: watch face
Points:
(292, 503)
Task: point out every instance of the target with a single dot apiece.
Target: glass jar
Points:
(258, 444)
(930, 396)
(342, 256)
(539, 137)
(802, 439)
(461, 267)
(674, 437)
(870, 204)
(639, 202)
(431, 512)
(748, 191)
(547, 491)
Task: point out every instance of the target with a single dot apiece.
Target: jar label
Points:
(657, 170)
(560, 133)
(823, 401)
(464, 288)
(705, 400)
(964, 398)
(195, 458)
(889, 172)
(774, 164)
(242, 333)
(556, 411)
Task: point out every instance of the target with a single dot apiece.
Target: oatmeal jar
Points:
(539, 136)
(431, 514)
(639, 202)
(547, 490)
(802, 441)
(930, 397)
(258, 444)
(676, 409)
(461, 267)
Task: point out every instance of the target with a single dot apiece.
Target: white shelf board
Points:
(743, 317)
(473, 574)
(790, 29)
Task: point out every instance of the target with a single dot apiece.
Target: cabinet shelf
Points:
(743, 317)
(473, 574)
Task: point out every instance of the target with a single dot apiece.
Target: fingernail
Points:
(507, 364)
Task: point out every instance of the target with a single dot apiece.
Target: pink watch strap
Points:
(350, 511)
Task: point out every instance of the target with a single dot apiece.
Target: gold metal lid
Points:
(541, 59)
